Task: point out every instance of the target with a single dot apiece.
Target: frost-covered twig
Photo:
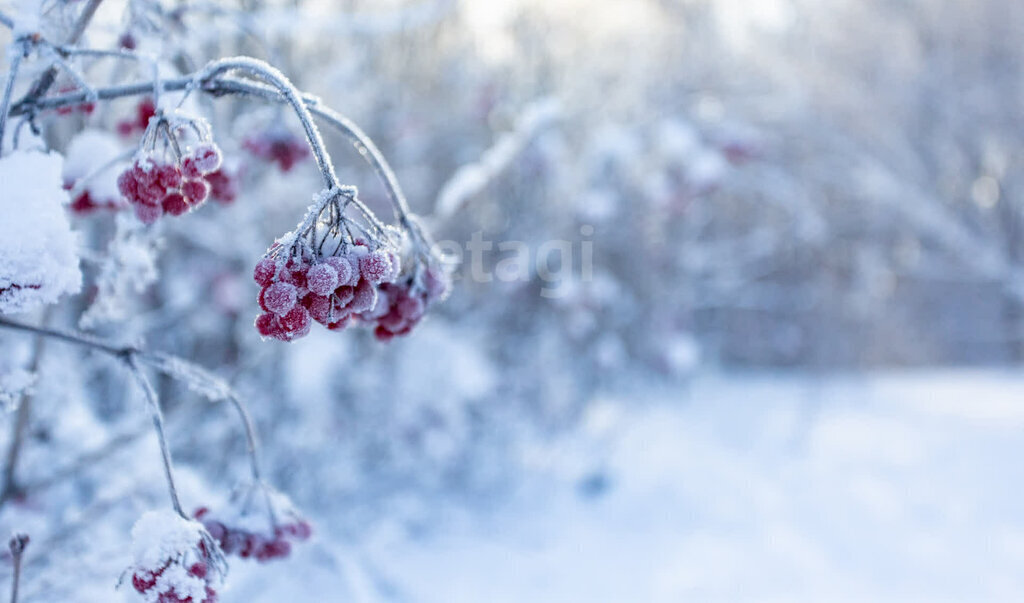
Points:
(75, 338)
(17, 545)
(5, 104)
(192, 375)
(221, 86)
(46, 80)
(158, 425)
(289, 93)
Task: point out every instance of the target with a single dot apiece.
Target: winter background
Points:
(758, 337)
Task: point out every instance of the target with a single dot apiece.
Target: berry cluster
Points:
(149, 583)
(176, 560)
(223, 186)
(143, 112)
(406, 302)
(330, 290)
(156, 186)
(279, 146)
(251, 544)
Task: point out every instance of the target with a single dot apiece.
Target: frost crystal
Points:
(38, 251)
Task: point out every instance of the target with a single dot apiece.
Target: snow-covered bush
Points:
(38, 250)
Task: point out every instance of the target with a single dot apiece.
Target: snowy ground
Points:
(881, 488)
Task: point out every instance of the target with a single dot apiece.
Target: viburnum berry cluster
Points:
(263, 527)
(171, 169)
(361, 279)
(277, 145)
(175, 560)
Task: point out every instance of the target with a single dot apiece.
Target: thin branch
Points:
(17, 545)
(10, 486)
(158, 425)
(220, 86)
(252, 443)
(8, 90)
(165, 364)
(75, 338)
(46, 80)
(289, 93)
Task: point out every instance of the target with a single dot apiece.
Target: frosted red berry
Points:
(264, 272)
(295, 320)
(196, 190)
(347, 272)
(365, 297)
(375, 266)
(322, 279)
(223, 187)
(175, 204)
(280, 297)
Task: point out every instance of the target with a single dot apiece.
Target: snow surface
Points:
(881, 488)
(38, 251)
(159, 536)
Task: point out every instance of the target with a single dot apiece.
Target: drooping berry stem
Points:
(291, 94)
(132, 355)
(252, 443)
(158, 425)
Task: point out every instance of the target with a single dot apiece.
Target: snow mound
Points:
(38, 250)
(159, 536)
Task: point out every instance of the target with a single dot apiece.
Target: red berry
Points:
(145, 110)
(365, 297)
(345, 269)
(409, 307)
(345, 295)
(322, 279)
(127, 185)
(83, 203)
(295, 320)
(280, 297)
(383, 334)
(169, 176)
(264, 272)
(195, 190)
(175, 204)
(206, 158)
(375, 266)
(198, 570)
(267, 325)
(340, 324)
(146, 171)
(222, 186)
